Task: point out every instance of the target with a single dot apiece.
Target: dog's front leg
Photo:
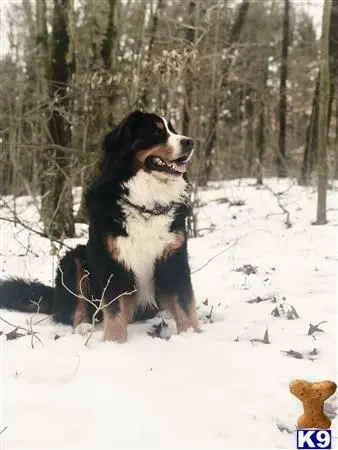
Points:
(175, 292)
(116, 316)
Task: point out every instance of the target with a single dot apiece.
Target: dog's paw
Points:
(84, 328)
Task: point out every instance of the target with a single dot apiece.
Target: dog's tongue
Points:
(179, 167)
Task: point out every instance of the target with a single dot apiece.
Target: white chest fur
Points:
(148, 235)
(146, 241)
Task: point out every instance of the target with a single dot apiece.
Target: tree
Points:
(233, 38)
(311, 138)
(108, 59)
(324, 100)
(189, 82)
(311, 143)
(42, 71)
(109, 38)
(333, 51)
(336, 144)
(260, 136)
(57, 203)
(208, 65)
(144, 101)
(107, 47)
(281, 157)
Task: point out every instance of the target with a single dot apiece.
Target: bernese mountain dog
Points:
(135, 261)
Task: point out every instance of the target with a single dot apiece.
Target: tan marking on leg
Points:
(112, 247)
(175, 245)
(183, 320)
(115, 325)
(81, 309)
(129, 305)
(80, 314)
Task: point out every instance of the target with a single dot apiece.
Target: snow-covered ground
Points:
(224, 388)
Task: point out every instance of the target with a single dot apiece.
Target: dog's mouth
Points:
(176, 167)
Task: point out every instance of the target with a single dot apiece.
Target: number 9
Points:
(323, 439)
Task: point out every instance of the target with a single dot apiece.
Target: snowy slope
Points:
(223, 388)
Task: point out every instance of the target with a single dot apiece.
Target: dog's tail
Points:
(26, 296)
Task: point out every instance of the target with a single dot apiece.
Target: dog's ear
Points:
(121, 139)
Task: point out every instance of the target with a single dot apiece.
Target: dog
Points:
(136, 259)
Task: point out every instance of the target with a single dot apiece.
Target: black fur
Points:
(18, 294)
(172, 276)
(65, 302)
(30, 296)
(136, 133)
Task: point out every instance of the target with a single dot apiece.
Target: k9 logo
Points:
(313, 438)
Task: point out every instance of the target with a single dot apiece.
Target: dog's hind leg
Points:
(72, 291)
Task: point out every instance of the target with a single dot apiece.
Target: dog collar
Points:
(158, 209)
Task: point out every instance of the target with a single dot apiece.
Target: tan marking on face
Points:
(160, 125)
(174, 245)
(112, 247)
(115, 325)
(82, 290)
(165, 152)
(183, 320)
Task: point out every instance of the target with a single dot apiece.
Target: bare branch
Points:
(281, 206)
(315, 328)
(219, 253)
(39, 233)
(29, 331)
(98, 304)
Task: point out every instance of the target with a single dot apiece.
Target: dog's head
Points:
(151, 142)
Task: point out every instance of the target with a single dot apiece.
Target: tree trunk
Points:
(107, 47)
(281, 157)
(261, 142)
(42, 71)
(336, 143)
(311, 142)
(234, 37)
(144, 101)
(108, 41)
(333, 57)
(57, 203)
(249, 103)
(190, 36)
(310, 139)
(324, 100)
(188, 82)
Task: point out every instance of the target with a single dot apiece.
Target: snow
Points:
(223, 388)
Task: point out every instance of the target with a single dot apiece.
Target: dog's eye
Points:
(158, 133)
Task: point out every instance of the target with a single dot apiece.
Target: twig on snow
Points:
(281, 206)
(265, 339)
(315, 328)
(29, 331)
(260, 299)
(219, 253)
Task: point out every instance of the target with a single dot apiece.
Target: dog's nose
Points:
(187, 144)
